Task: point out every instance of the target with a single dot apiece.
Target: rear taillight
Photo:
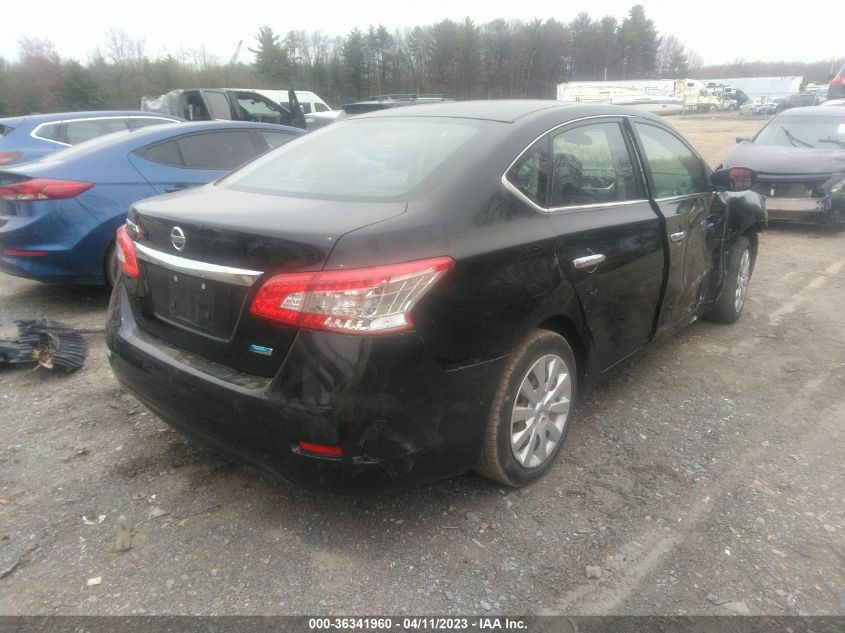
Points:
(319, 449)
(362, 301)
(9, 157)
(125, 250)
(43, 189)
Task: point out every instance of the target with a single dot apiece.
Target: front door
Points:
(608, 237)
(693, 224)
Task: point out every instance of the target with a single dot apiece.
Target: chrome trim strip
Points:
(595, 205)
(226, 274)
(34, 133)
(510, 186)
(686, 196)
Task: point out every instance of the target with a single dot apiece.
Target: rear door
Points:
(217, 104)
(608, 238)
(195, 159)
(693, 220)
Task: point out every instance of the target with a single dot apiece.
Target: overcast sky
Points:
(719, 30)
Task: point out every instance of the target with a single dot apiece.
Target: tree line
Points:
(463, 60)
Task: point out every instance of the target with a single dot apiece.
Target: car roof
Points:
(69, 116)
(506, 110)
(813, 111)
(129, 139)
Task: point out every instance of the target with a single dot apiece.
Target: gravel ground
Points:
(705, 478)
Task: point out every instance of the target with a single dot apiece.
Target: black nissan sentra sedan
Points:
(416, 292)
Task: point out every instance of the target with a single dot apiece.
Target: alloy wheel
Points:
(743, 276)
(540, 411)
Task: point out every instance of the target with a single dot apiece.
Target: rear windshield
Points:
(367, 159)
(826, 132)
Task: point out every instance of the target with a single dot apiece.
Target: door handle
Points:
(589, 261)
(678, 237)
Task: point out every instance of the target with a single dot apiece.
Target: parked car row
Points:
(58, 215)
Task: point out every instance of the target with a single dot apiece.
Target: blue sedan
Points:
(28, 138)
(58, 215)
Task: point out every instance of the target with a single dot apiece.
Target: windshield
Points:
(374, 158)
(826, 132)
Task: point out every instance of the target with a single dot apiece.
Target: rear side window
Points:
(218, 104)
(275, 139)
(207, 150)
(49, 132)
(529, 173)
(80, 131)
(591, 165)
(5, 129)
(217, 150)
(166, 153)
(675, 170)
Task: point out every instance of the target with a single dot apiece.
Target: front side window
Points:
(369, 159)
(675, 170)
(319, 107)
(258, 110)
(529, 174)
(591, 165)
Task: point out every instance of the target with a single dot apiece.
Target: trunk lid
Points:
(204, 252)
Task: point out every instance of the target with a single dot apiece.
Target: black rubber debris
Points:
(45, 343)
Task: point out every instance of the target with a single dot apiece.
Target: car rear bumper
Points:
(70, 242)
(398, 415)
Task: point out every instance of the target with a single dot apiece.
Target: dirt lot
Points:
(708, 472)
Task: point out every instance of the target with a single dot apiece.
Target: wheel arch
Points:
(565, 327)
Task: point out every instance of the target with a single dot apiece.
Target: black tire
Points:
(497, 460)
(110, 269)
(728, 307)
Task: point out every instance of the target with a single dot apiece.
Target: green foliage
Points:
(78, 89)
(272, 65)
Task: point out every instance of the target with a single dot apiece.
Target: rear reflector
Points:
(9, 157)
(320, 449)
(360, 301)
(125, 251)
(43, 189)
(15, 253)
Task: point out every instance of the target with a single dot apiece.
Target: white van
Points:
(309, 101)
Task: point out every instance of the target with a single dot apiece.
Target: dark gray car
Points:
(799, 157)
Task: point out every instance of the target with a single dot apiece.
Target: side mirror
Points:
(742, 139)
(734, 178)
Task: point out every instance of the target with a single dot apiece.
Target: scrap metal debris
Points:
(45, 343)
